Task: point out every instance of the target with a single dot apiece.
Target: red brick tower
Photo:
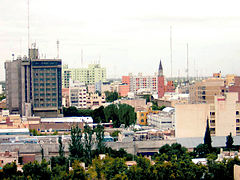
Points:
(160, 81)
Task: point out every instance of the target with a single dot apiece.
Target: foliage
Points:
(229, 141)
(99, 130)
(78, 172)
(115, 133)
(156, 107)
(207, 137)
(98, 115)
(37, 170)
(61, 147)
(2, 96)
(73, 111)
(76, 146)
(111, 96)
(201, 151)
(34, 132)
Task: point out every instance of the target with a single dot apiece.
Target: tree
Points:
(100, 139)
(111, 113)
(98, 115)
(111, 96)
(229, 141)
(78, 172)
(10, 171)
(207, 137)
(88, 132)
(61, 147)
(201, 151)
(76, 146)
(126, 114)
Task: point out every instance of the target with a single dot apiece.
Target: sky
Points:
(127, 36)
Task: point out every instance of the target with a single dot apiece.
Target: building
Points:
(163, 120)
(94, 100)
(154, 84)
(205, 90)
(34, 86)
(223, 115)
(13, 77)
(78, 95)
(90, 75)
(138, 104)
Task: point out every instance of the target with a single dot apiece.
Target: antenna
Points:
(81, 57)
(187, 64)
(28, 28)
(171, 48)
(57, 49)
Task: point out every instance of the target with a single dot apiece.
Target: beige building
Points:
(78, 95)
(95, 101)
(204, 91)
(223, 117)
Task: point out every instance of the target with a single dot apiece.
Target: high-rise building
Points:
(35, 85)
(13, 86)
(91, 75)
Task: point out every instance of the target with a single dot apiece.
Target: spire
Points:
(160, 69)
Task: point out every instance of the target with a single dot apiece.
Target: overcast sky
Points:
(126, 35)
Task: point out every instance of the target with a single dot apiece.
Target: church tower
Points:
(160, 81)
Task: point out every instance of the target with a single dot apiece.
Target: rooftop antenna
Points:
(28, 28)
(187, 64)
(57, 49)
(171, 48)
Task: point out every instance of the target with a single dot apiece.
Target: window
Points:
(237, 112)
(212, 113)
(237, 128)
(237, 121)
(142, 120)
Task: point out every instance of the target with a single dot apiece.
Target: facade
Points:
(223, 116)
(204, 91)
(94, 100)
(154, 84)
(34, 86)
(163, 120)
(13, 86)
(90, 75)
(78, 95)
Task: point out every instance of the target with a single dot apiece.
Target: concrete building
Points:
(163, 120)
(90, 75)
(155, 83)
(204, 91)
(78, 95)
(223, 116)
(94, 100)
(13, 77)
(34, 86)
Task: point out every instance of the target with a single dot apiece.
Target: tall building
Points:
(91, 75)
(13, 86)
(38, 86)
(78, 95)
(223, 115)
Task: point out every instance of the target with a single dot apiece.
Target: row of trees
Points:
(118, 113)
(172, 162)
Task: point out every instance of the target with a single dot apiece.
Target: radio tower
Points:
(57, 49)
(28, 28)
(171, 48)
(187, 65)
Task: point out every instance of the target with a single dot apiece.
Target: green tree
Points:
(111, 113)
(201, 151)
(111, 96)
(98, 115)
(207, 137)
(78, 172)
(10, 171)
(37, 171)
(229, 142)
(61, 147)
(99, 130)
(76, 148)
(126, 114)
(88, 132)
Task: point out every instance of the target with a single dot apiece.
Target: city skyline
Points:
(126, 36)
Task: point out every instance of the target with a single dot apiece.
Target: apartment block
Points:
(223, 116)
(90, 75)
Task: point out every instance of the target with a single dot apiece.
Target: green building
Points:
(94, 73)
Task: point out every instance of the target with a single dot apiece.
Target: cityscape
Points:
(143, 110)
